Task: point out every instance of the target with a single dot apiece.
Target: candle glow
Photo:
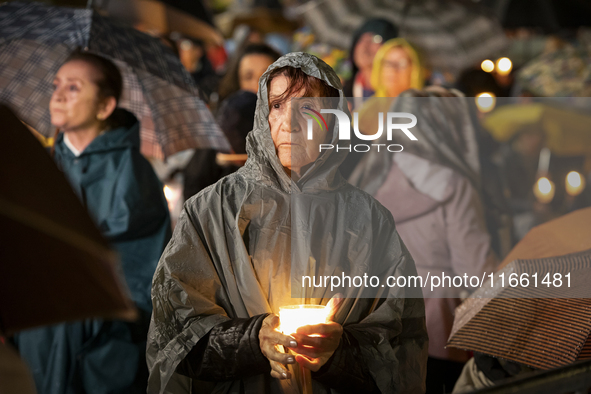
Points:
(485, 102)
(575, 183)
(544, 190)
(504, 66)
(295, 316)
(487, 66)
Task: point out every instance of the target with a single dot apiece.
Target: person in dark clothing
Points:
(472, 82)
(206, 167)
(193, 55)
(246, 68)
(235, 116)
(98, 151)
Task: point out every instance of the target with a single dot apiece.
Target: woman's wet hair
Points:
(107, 78)
(231, 81)
(298, 81)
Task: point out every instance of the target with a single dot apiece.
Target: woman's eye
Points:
(54, 86)
(276, 106)
(73, 88)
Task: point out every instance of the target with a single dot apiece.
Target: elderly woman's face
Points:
(75, 103)
(289, 127)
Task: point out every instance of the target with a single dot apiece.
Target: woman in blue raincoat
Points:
(98, 151)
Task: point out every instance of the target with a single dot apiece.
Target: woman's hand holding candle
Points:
(317, 343)
(312, 344)
(269, 338)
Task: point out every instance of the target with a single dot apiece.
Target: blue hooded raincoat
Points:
(125, 198)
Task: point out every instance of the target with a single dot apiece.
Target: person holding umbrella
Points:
(230, 265)
(98, 150)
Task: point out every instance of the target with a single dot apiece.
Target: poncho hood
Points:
(263, 162)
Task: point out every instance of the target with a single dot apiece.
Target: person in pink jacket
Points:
(433, 190)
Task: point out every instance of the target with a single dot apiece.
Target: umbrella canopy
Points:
(54, 264)
(542, 333)
(36, 39)
(524, 324)
(568, 234)
(567, 132)
(451, 36)
(565, 72)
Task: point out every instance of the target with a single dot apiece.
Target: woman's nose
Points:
(58, 95)
(286, 124)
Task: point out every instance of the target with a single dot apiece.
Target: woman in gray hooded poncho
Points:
(227, 271)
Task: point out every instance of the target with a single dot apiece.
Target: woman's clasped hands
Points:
(313, 345)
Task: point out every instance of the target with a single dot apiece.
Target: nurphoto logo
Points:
(345, 129)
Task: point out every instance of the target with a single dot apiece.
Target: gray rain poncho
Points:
(229, 265)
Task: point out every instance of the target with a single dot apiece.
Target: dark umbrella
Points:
(35, 39)
(54, 263)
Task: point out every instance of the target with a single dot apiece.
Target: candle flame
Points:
(295, 316)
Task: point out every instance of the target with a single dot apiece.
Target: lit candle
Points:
(295, 316)
(290, 319)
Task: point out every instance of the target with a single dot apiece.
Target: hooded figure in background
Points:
(98, 150)
(125, 199)
(230, 264)
(366, 41)
(433, 190)
(207, 166)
